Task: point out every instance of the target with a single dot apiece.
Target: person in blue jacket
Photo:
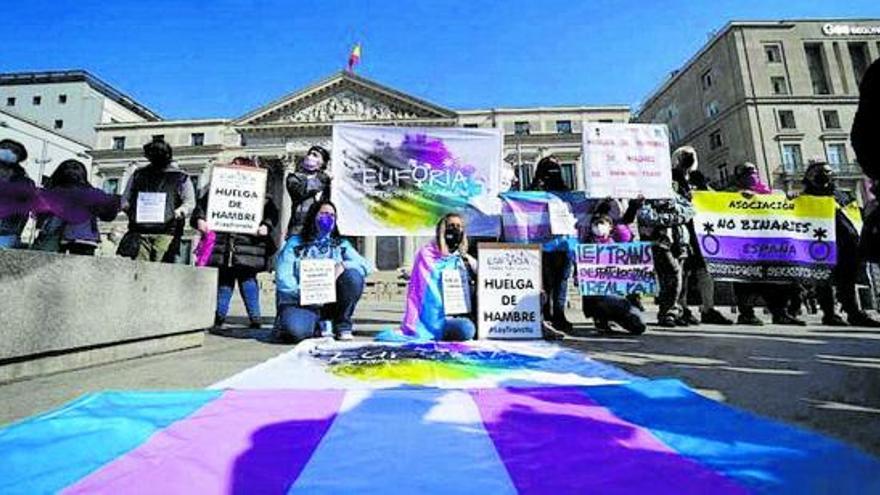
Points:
(319, 239)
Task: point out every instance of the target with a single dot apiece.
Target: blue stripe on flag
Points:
(49, 452)
(406, 441)
(763, 455)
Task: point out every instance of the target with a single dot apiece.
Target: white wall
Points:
(46, 149)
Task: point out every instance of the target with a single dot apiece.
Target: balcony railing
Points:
(844, 170)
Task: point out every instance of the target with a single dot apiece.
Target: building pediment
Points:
(345, 98)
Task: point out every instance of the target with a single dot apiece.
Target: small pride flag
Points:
(355, 57)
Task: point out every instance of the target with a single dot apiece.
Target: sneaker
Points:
(219, 323)
(714, 317)
(688, 318)
(344, 336)
(667, 321)
(749, 320)
(833, 320)
(862, 319)
(788, 320)
(550, 333)
(562, 324)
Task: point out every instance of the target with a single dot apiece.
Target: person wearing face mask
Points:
(308, 184)
(238, 257)
(556, 258)
(819, 181)
(624, 311)
(73, 207)
(777, 296)
(686, 179)
(157, 199)
(428, 314)
(319, 239)
(17, 193)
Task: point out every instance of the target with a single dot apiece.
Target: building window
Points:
(830, 119)
(158, 137)
(674, 134)
(197, 139)
(791, 157)
(773, 53)
(715, 140)
(606, 121)
(119, 143)
(524, 175)
(568, 175)
(712, 109)
(707, 79)
(470, 126)
(111, 186)
(10, 102)
(563, 127)
(786, 119)
(723, 174)
(816, 64)
(521, 128)
(779, 86)
(59, 124)
(858, 53)
(37, 100)
(836, 155)
(194, 179)
(62, 99)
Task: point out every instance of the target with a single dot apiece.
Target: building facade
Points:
(70, 103)
(280, 133)
(778, 94)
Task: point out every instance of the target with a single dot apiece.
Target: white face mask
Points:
(601, 230)
(8, 156)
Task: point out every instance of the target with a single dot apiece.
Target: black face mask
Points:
(453, 238)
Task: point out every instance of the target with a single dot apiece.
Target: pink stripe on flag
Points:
(558, 440)
(243, 442)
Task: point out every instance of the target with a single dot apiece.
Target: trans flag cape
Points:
(424, 315)
(638, 437)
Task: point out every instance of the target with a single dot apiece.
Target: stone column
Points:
(370, 249)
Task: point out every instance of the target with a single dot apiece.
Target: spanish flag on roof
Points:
(355, 57)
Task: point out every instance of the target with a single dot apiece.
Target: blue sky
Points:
(224, 58)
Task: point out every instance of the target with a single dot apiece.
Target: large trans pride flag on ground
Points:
(402, 180)
(386, 428)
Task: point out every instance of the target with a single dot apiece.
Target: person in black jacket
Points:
(308, 184)
(17, 193)
(867, 122)
(819, 181)
(239, 257)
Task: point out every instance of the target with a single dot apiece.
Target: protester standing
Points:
(17, 193)
(308, 184)
(238, 257)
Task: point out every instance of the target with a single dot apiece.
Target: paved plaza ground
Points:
(821, 378)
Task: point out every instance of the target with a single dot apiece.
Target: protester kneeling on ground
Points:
(73, 207)
(238, 257)
(319, 240)
(624, 311)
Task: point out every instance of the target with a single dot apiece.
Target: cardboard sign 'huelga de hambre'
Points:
(236, 198)
(509, 291)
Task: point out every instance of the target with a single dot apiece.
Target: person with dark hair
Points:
(556, 258)
(17, 193)
(238, 257)
(686, 179)
(309, 183)
(157, 200)
(777, 296)
(819, 180)
(428, 315)
(867, 122)
(624, 311)
(74, 207)
(319, 239)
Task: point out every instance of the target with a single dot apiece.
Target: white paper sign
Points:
(454, 301)
(626, 160)
(317, 282)
(509, 291)
(236, 199)
(562, 221)
(150, 207)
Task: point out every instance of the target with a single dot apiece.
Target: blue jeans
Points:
(300, 321)
(247, 286)
(614, 309)
(458, 329)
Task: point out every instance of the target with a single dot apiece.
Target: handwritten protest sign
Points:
(626, 160)
(616, 269)
(236, 199)
(317, 281)
(509, 291)
(766, 237)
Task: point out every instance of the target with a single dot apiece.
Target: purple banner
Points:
(768, 249)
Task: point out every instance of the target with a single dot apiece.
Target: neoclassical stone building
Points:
(279, 133)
